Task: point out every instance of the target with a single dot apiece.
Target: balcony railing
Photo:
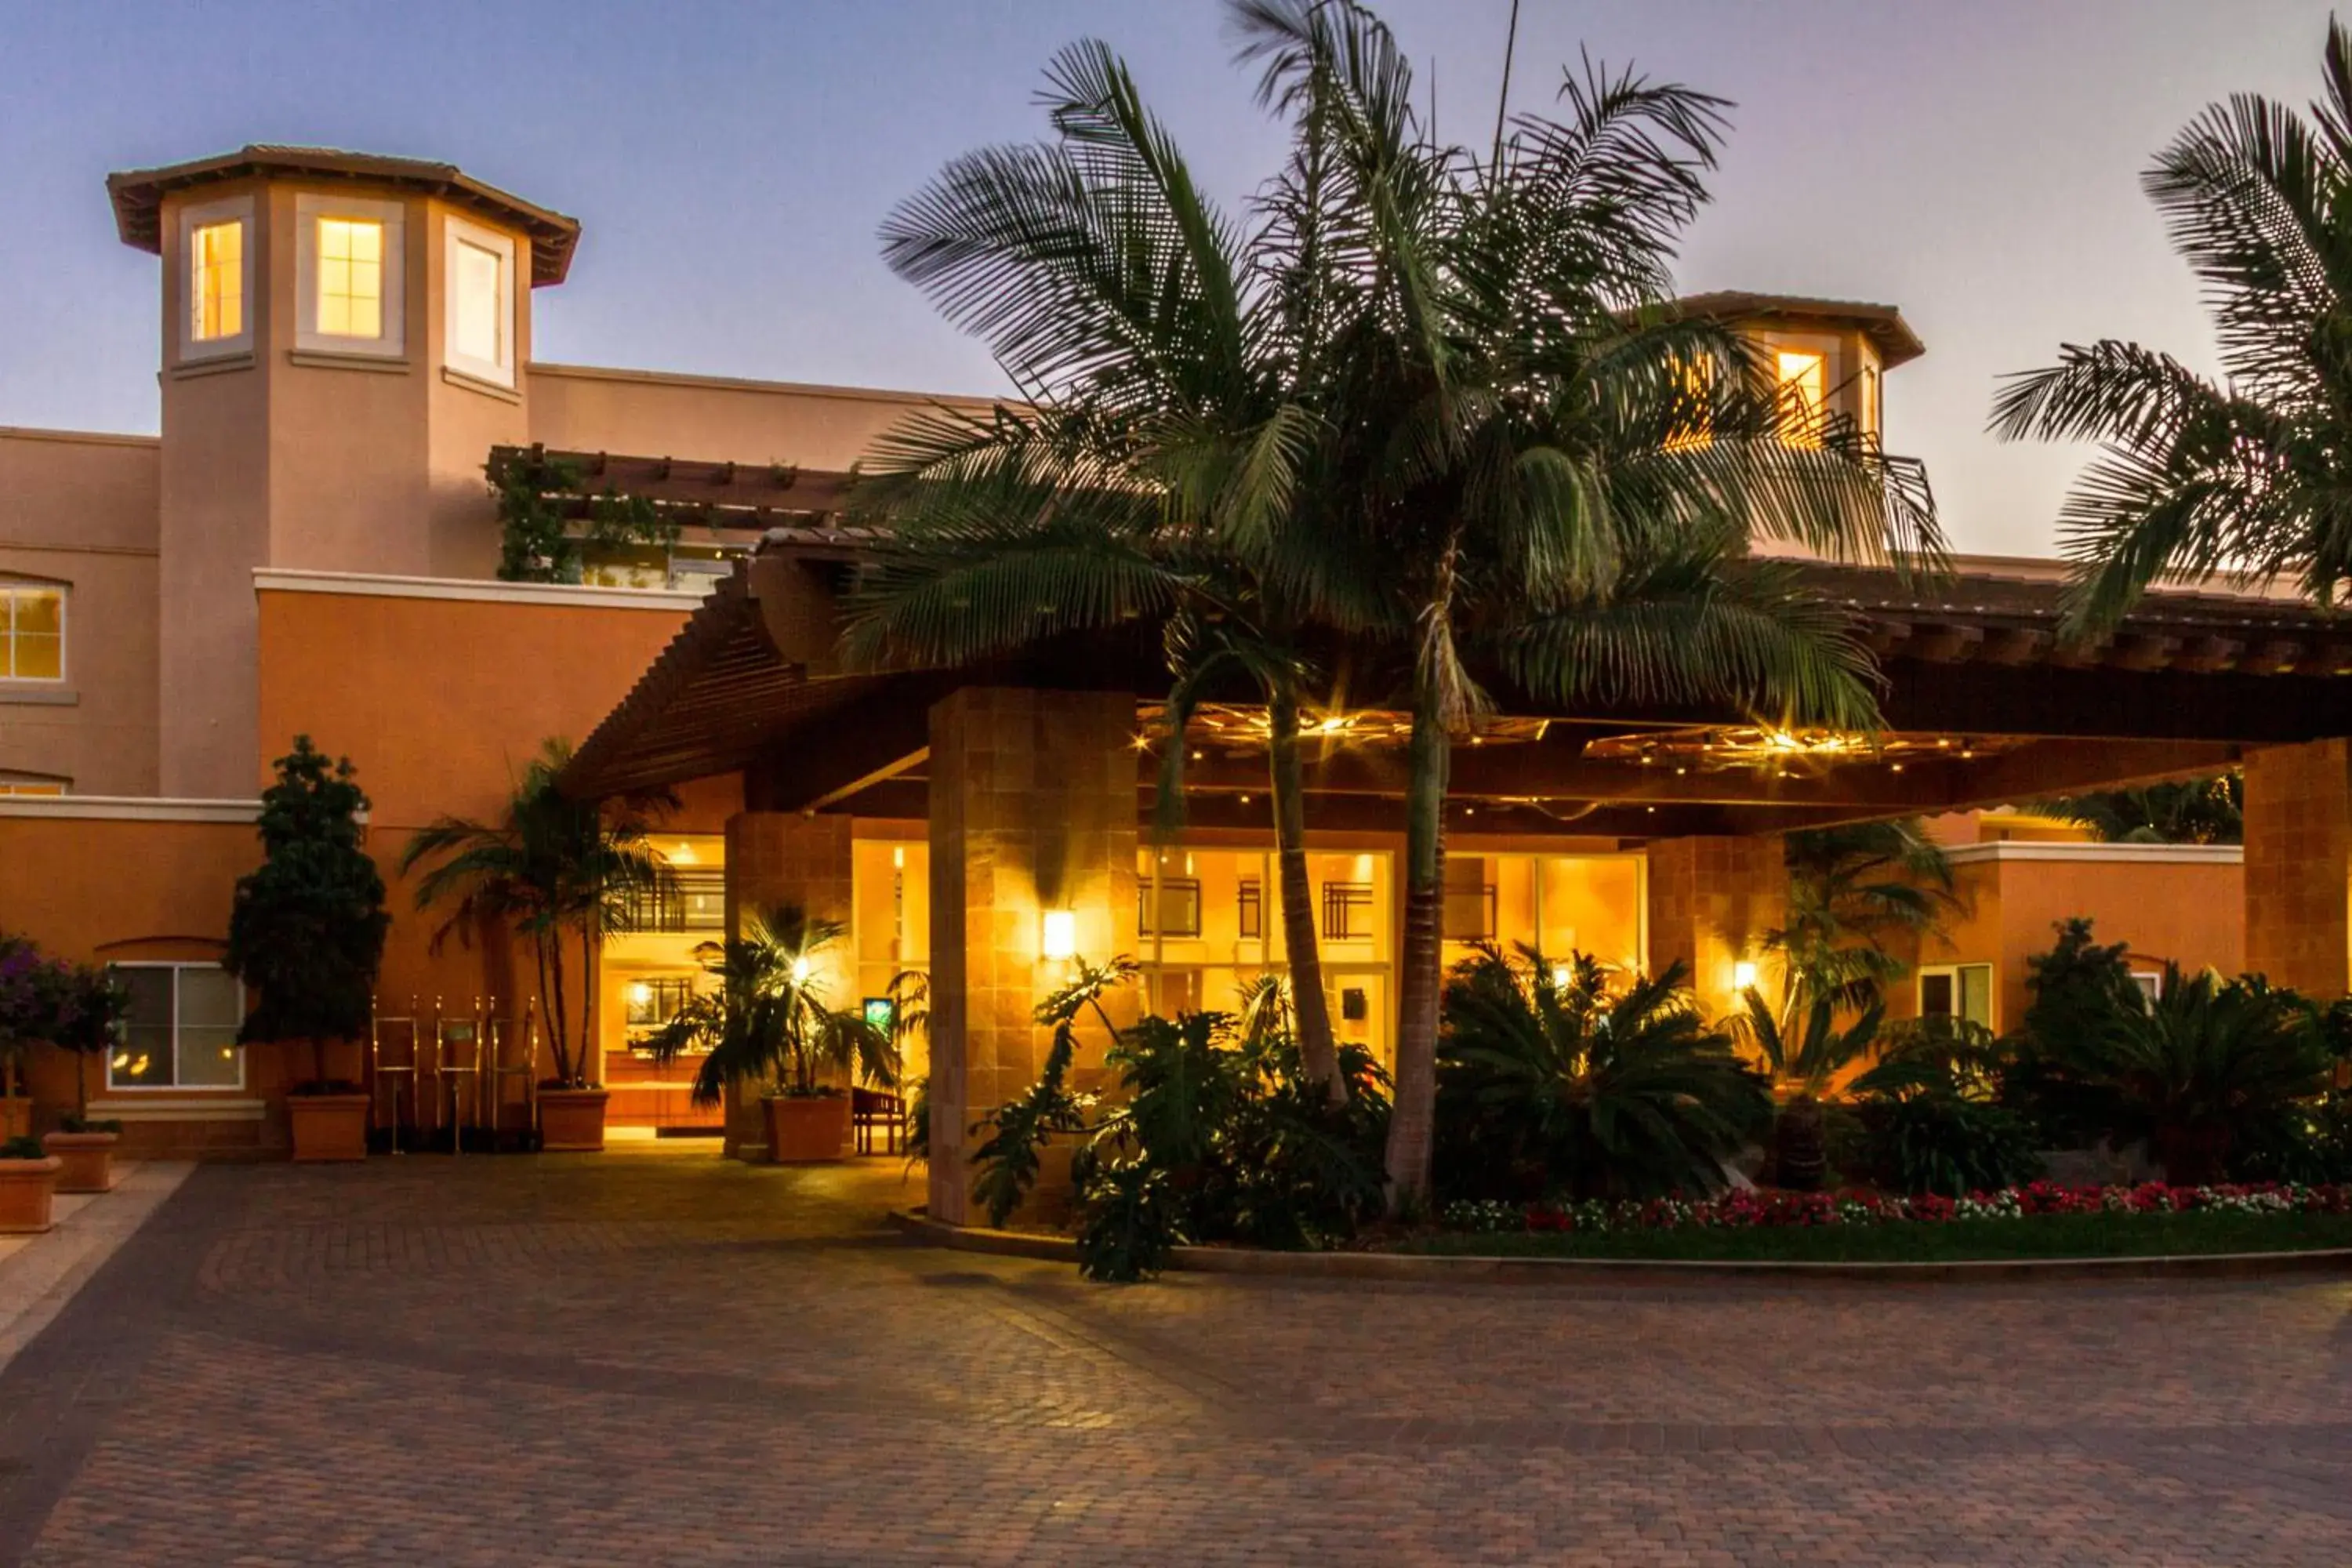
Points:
(694, 899)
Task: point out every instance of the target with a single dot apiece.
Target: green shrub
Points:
(2309, 1143)
(23, 1149)
(1131, 1221)
(2206, 1065)
(1558, 1084)
(1944, 1144)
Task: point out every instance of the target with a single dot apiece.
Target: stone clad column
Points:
(1033, 804)
(2299, 866)
(787, 858)
(1709, 899)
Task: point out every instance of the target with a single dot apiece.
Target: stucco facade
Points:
(309, 548)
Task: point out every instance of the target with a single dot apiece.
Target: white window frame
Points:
(458, 233)
(192, 349)
(64, 591)
(1953, 971)
(175, 1085)
(2150, 981)
(307, 210)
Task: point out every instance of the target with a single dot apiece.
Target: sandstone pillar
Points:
(1033, 804)
(2299, 866)
(786, 857)
(1710, 899)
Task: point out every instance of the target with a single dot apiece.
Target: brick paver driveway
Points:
(652, 1359)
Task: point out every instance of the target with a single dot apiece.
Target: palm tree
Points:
(2189, 811)
(768, 1020)
(550, 868)
(2201, 1065)
(2244, 475)
(1851, 891)
(1561, 474)
(1149, 473)
(1565, 1079)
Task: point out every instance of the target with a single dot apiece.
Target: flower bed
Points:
(1765, 1208)
(2043, 1219)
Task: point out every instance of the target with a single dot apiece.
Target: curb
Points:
(1405, 1267)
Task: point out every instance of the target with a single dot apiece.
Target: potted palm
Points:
(28, 1181)
(560, 873)
(305, 935)
(767, 1023)
(86, 1008)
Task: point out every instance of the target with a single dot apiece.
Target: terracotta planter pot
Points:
(16, 1118)
(803, 1130)
(88, 1159)
(329, 1126)
(572, 1121)
(25, 1188)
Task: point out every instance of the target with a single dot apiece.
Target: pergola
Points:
(1985, 705)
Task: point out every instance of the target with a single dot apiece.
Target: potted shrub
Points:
(29, 1180)
(553, 869)
(305, 935)
(85, 1011)
(766, 1023)
(21, 1000)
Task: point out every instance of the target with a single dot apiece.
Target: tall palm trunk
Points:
(1410, 1123)
(558, 1013)
(1318, 1051)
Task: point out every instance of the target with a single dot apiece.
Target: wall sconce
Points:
(1059, 939)
(1743, 975)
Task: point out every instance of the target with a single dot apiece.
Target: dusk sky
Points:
(1975, 164)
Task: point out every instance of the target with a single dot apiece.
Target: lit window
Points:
(351, 277)
(1692, 426)
(32, 631)
(28, 784)
(1962, 991)
(180, 1029)
(1801, 386)
(216, 280)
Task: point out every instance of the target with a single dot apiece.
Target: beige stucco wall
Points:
(288, 458)
(79, 510)
(584, 409)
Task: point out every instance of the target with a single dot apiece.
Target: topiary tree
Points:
(307, 932)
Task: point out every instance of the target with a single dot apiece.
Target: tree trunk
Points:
(1319, 1054)
(539, 956)
(1420, 955)
(559, 1016)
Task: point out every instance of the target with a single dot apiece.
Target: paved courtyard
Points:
(660, 1358)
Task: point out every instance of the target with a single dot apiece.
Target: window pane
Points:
(1976, 993)
(208, 1058)
(39, 611)
(209, 999)
(1801, 378)
(1935, 994)
(39, 659)
(144, 1056)
(477, 331)
(351, 277)
(216, 280)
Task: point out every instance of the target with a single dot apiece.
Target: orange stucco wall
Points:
(440, 702)
(107, 891)
(2190, 911)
